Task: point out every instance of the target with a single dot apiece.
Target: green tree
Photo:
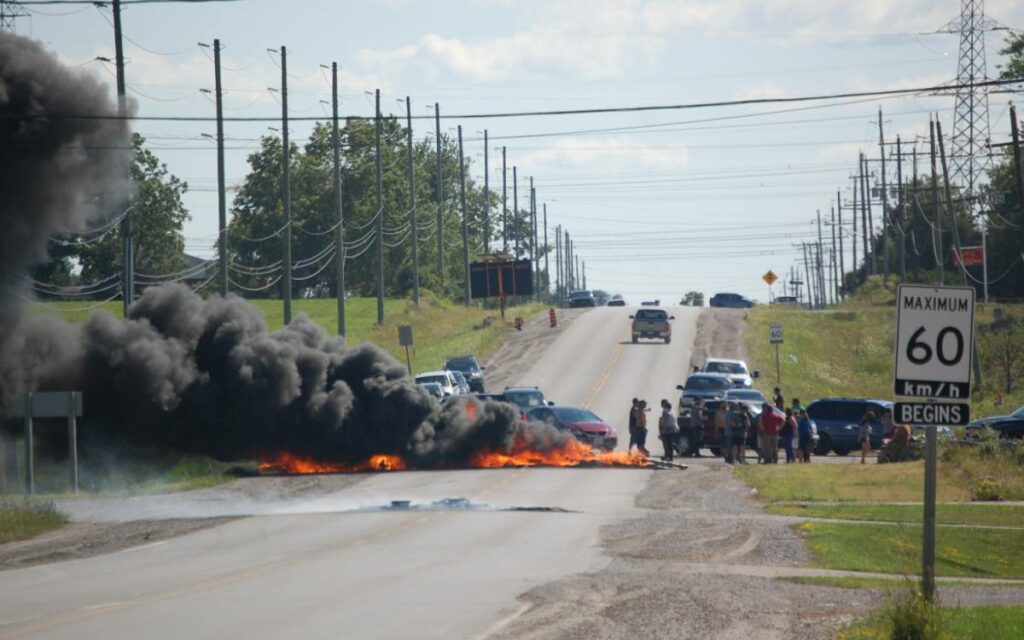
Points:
(158, 215)
(1014, 51)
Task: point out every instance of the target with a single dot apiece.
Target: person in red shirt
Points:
(769, 424)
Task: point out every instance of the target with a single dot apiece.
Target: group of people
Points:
(733, 423)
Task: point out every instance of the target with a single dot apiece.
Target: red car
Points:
(584, 425)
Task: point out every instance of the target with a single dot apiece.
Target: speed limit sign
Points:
(934, 341)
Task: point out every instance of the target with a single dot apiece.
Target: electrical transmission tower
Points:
(970, 157)
(9, 12)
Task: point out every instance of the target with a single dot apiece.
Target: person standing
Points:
(805, 436)
(698, 416)
(721, 421)
(769, 424)
(788, 433)
(864, 435)
(780, 402)
(668, 429)
(727, 432)
(740, 424)
(637, 428)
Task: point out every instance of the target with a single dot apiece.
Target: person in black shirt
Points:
(780, 402)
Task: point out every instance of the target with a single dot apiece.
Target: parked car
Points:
(616, 302)
(750, 397)
(650, 303)
(706, 386)
(584, 425)
(581, 298)
(787, 300)
(1008, 426)
(652, 323)
(443, 378)
(469, 368)
(838, 421)
(462, 385)
(526, 398)
(712, 438)
(435, 389)
(736, 370)
(730, 300)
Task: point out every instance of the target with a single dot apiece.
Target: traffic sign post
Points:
(405, 340)
(934, 351)
(770, 278)
(775, 338)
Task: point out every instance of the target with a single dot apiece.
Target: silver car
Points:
(443, 378)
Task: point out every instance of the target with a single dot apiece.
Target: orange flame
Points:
(289, 463)
(572, 454)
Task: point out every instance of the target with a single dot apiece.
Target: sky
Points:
(658, 203)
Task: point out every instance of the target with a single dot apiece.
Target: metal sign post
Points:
(51, 404)
(934, 351)
(405, 340)
(770, 278)
(775, 338)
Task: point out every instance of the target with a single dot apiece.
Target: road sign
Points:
(934, 342)
(770, 277)
(405, 335)
(972, 256)
(945, 413)
(775, 333)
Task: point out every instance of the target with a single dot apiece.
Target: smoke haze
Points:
(180, 372)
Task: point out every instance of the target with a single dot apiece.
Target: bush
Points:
(988, 490)
(910, 616)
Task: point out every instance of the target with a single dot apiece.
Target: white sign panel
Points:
(934, 341)
(775, 333)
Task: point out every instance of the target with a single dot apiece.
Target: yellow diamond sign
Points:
(770, 277)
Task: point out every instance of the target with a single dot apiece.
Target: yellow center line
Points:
(603, 380)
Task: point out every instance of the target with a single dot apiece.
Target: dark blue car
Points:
(838, 421)
(731, 300)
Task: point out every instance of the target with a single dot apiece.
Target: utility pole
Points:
(440, 196)
(547, 273)
(412, 201)
(222, 207)
(504, 202)
(465, 219)
(885, 203)
(1018, 170)
(937, 226)
(913, 214)
(487, 198)
(558, 264)
(853, 240)
(339, 233)
(568, 266)
(868, 228)
(842, 260)
(832, 265)
(515, 210)
(534, 256)
(821, 272)
(807, 271)
(380, 212)
(584, 274)
(902, 205)
(127, 225)
(286, 189)
(956, 239)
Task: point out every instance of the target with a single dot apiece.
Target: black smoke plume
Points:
(182, 373)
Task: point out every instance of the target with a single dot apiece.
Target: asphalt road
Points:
(338, 566)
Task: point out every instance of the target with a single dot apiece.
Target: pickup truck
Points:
(652, 323)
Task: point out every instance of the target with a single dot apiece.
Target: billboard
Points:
(501, 278)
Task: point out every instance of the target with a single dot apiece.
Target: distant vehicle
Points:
(443, 378)
(616, 302)
(469, 368)
(750, 397)
(838, 421)
(581, 298)
(650, 303)
(712, 438)
(1008, 426)
(584, 425)
(525, 398)
(707, 386)
(652, 323)
(460, 381)
(731, 301)
(788, 300)
(435, 389)
(735, 369)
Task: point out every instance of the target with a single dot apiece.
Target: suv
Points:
(838, 421)
(469, 368)
(444, 378)
(707, 386)
(652, 323)
(735, 369)
(730, 300)
(582, 298)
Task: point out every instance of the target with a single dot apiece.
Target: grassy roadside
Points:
(966, 623)
(854, 582)
(847, 482)
(440, 328)
(847, 350)
(23, 519)
(946, 513)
